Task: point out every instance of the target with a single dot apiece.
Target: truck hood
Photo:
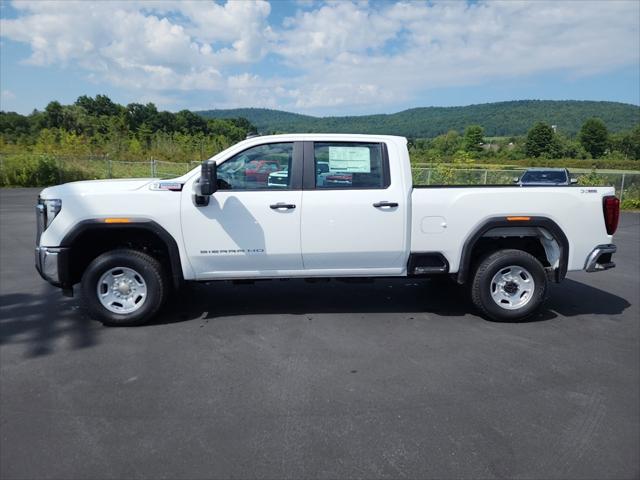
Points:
(95, 186)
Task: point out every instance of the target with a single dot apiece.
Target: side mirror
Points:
(574, 181)
(516, 179)
(207, 184)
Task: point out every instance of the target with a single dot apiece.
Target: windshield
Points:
(544, 177)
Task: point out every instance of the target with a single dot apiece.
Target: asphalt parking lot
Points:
(286, 379)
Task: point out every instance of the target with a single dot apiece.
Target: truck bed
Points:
(442, 216)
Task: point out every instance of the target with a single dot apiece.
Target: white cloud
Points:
(8, 95)
(241, 23)
(326, 55)
(143, 45)
(334, 28)
(391, 54)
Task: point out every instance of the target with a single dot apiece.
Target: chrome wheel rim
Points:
(122, 290)
(512, 287)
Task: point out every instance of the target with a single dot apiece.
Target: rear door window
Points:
(350, 165)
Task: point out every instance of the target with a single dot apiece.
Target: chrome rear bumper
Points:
(600, 258)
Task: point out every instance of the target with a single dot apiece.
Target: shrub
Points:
(592, 179)
(630, 204)
(37, 171)
(27, 171)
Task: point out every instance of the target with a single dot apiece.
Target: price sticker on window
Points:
(350, 159)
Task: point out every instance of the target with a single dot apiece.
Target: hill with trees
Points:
(92, 135)
(97, 138)
(98, 126)
(497, 119)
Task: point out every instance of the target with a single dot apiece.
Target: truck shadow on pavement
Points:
(45, 322)
(39, 321)
(425, 296)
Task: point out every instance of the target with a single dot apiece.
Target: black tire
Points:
(481, 286)
(145, 265)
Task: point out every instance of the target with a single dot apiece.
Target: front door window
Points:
(264, 167)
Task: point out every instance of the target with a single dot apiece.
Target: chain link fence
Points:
(42, 170)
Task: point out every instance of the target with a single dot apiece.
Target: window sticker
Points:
(350, 159)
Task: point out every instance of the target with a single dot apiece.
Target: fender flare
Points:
(494, 222)
(137, 223)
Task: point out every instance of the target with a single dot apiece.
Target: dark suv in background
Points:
(545, 176)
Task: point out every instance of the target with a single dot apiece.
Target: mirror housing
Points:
(573, 181)
(207, 184)
(516, 179)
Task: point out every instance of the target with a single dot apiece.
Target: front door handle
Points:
(284, 206)
(385, 204)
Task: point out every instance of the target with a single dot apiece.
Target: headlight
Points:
(52, 207)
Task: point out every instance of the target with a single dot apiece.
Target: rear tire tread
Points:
(484, 269)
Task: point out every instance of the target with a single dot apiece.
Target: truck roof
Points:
(313, 137)
(326, 136)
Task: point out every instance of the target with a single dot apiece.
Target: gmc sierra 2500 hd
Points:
(342, 206)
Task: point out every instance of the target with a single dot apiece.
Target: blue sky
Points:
(314, 57)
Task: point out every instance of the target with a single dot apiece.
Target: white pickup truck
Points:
(343, 206)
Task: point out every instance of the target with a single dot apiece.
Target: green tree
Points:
(473, 138)
(166, 122)
(189, 122)
(447, 144)
(13, 125)
(53, 115)
(101, 105)
(245, 125)
(137, 114)
(632, 143)
(594, 137)
(541, 141)
(144, 135)
(627, 143)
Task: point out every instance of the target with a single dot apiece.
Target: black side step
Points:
(427, 263)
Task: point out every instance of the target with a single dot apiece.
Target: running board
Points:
(427, 263)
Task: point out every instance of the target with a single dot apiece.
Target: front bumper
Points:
(52, 264)
(600, 258)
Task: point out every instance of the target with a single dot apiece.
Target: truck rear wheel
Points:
(123, 287)
(509, 285)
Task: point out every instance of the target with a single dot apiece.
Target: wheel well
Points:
(487, 245)
(89, 243)
(538, 236)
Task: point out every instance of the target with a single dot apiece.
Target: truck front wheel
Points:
(123, 287)
(509, 285)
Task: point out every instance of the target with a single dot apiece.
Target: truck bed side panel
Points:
(443, 218)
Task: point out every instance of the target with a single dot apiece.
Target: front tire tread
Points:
(149, 267)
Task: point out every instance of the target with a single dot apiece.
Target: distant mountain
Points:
(498, 119)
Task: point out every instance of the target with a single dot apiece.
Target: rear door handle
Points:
(284, 206)
(385, 204)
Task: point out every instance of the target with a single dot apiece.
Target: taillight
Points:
(611, 210)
